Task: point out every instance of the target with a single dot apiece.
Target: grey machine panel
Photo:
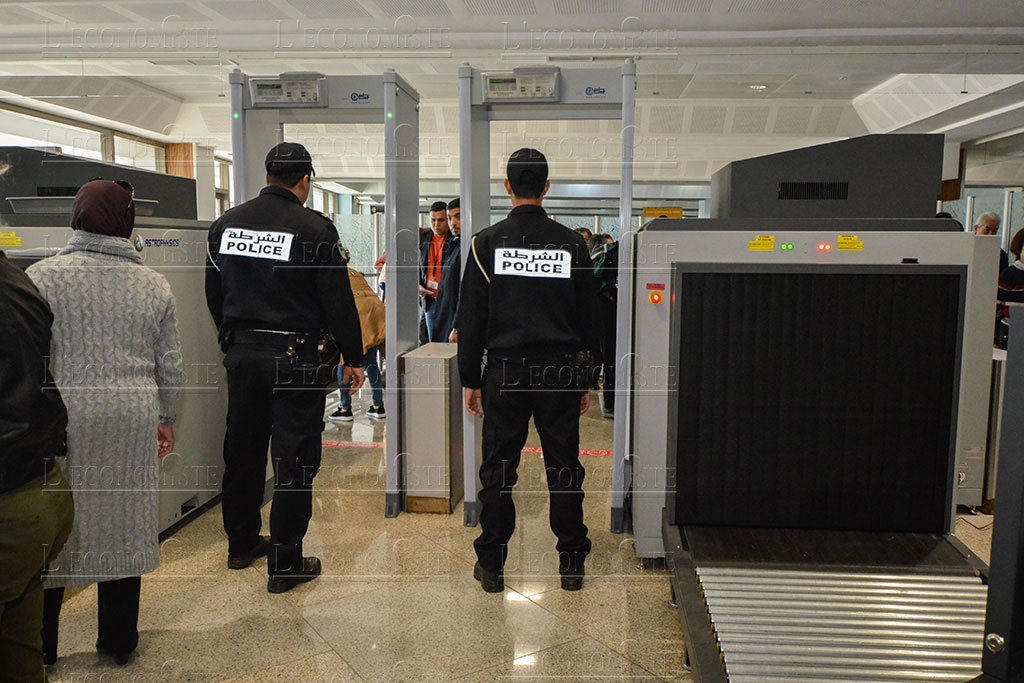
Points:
(846, 179)
(432, 425)
(191, 476)
(38, 173)
(657, 251)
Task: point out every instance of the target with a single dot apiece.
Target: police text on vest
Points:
(256, 243)
(549, 263)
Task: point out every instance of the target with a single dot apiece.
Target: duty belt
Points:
(580, 358)
(285, 340)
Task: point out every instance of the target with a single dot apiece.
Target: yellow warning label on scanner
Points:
(9, 239)
(850, 243)
(763, 243)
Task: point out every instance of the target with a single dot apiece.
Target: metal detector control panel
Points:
(289, 90)
(522, 85)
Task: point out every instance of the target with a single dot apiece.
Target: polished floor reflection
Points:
(397, 601)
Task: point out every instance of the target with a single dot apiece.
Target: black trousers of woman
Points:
(118, 617)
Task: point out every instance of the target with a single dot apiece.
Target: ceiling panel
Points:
(247, 10)
(668, 86)
(792, 120)
(161, 11)
(828, 120)
(583, 127)
(15, 16)
(413, 8)
(330, 9)
(708, 119)
(87, 13)
(588, 6)
(740, 6)
(428, 120)
(750, 120)
(653, 6)
(665, 120)
(501, 8)
(450, 117)
(730, 85)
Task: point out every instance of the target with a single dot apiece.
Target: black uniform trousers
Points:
(512, 392)
(118, 616)
(271, 402)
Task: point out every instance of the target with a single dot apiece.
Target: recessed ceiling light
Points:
(758, 86)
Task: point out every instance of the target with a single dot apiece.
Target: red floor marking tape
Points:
(532, 450)
(583, 451)
(352, 444)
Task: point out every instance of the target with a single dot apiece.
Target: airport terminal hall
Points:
(512, 340)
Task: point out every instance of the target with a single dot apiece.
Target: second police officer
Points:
(276, 282)
(529, 299)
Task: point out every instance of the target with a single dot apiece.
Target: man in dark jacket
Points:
(446, 305)
(36, 509)
(436, 246)
(529, 299)
(276, 283)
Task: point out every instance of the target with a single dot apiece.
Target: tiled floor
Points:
(397, 601)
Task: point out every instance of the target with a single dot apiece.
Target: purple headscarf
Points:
(103, 207)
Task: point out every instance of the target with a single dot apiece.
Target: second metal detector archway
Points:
(260, 108)
(542, 94)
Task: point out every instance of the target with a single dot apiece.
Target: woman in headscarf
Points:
(117, 361)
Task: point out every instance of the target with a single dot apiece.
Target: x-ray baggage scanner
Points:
(808, 390)
(260, 108)
(36, 196)
(537, 93)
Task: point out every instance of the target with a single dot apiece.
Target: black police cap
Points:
(288, 157)
(527, 160)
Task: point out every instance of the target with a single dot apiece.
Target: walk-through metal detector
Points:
(260, 108)
(541, 93)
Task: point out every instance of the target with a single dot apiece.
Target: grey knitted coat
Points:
(117, 361)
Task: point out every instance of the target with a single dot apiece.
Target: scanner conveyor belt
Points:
(820, 622)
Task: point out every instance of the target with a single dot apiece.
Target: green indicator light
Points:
(390, 115)
(236, 114)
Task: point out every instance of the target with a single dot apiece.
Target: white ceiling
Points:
(832, 68)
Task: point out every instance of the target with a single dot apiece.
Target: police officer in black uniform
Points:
(529, 299)
(276, 283)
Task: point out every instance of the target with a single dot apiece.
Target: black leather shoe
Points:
(282, 583)
(121, 658)
(492, 582)
(245, 559)
(572, 583)
(571, 574)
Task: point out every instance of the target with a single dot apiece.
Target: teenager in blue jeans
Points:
(376, 409)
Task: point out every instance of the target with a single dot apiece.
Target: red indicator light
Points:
(655, 297)
(821, 247)
(828, 247)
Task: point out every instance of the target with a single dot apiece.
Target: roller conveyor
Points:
(913, 610)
